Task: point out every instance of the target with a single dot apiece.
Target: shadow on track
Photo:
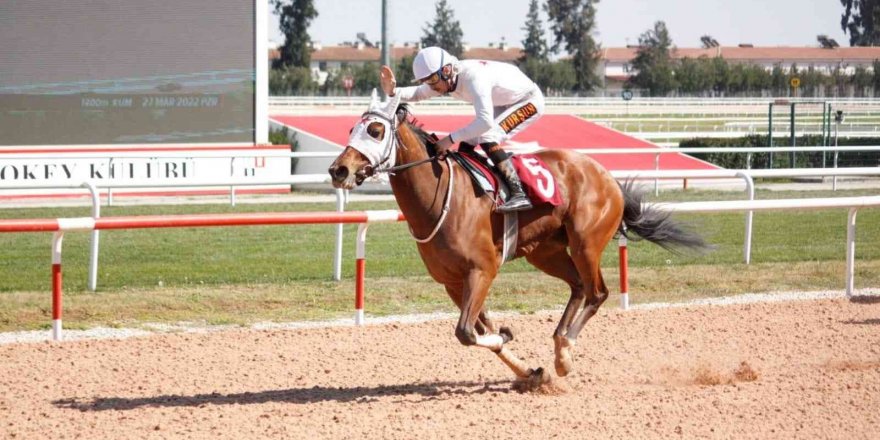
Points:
(426, 391)
(865, 299)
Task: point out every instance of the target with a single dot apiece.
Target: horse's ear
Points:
(374, 98)
(391, 106)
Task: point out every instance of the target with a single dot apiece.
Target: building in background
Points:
(617, 69)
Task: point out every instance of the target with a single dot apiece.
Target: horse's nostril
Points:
(338, 172)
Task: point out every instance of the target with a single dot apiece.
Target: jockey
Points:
(505, 100)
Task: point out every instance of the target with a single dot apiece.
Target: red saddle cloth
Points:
(538, 182)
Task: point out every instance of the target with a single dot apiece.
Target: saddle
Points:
(540, 186)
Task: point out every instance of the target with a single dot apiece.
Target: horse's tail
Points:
(655, 225)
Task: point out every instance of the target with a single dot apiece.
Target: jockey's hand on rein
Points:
(443, 146)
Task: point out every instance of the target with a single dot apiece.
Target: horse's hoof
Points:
(563, 362)
(563, 366)
(506, 334)
(537, 378)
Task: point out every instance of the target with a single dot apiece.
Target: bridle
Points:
(389, 156)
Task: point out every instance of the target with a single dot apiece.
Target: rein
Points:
(391, 150)
(445, 206)
(406, 166)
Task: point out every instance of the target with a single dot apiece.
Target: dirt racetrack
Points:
(805, 369)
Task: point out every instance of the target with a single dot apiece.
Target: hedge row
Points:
(783, 159)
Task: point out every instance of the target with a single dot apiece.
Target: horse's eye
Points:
(376, 130)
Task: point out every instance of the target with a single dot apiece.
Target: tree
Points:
(826, 43)
(534, 46)
(291, 80)
(708, 42)
(554, 78)
(779, 81)
(294, 19)
(403, 70)
(875, 80)
(573, 25)
(694, 76)
(445, 32)
(858, 19)
(861, 81)
(653, 61)
(720, 75)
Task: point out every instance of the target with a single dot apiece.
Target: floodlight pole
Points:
(837, 120)
(386, 55)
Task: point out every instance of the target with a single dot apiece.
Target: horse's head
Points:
(372, 143)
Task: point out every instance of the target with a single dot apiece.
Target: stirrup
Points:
(518, 203)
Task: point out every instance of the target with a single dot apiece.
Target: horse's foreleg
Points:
(484, 326)
(475, 328)
(476, 288)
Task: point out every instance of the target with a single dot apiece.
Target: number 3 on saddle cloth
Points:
(538, 183)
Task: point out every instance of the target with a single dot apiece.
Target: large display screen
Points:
(85, 72)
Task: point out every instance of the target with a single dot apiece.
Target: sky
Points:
(620, 22)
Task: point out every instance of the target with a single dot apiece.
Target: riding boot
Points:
(517, 200)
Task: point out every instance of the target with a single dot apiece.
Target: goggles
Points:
(432, 79)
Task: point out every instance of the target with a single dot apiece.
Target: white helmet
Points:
(430, 60)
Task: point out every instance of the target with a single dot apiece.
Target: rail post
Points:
(624, 272)
(656, 180)
(337, 255)
(57, 239)
(850, 250)
(360, 271)
(93, 257)
(793, 136)
(390, 215)
(770, 135)
(750, 216)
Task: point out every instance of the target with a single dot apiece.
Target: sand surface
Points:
(805, 369)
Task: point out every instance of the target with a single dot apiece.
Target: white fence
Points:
(747, 176)
(852, 203)
(59, 226)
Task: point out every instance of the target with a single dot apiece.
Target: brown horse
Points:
(463, 250)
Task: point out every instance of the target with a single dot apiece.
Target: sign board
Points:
(795, 82)
(627, 95)
(25, 170)
(348, 82)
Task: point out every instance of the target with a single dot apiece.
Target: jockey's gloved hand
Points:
(387, 81)
(443, 146)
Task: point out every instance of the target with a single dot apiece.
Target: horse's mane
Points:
(405, 116)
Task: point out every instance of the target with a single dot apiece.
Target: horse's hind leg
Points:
(553, 260)
(598, 297)
(586, 255)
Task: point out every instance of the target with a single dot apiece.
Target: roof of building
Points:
(758, 54)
